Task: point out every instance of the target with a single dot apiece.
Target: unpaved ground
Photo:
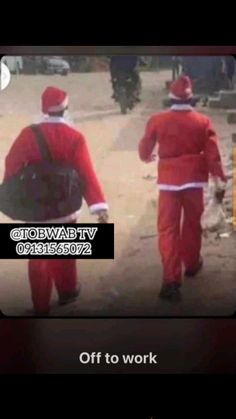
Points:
(128, 285)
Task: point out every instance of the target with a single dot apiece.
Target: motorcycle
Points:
(126, 94)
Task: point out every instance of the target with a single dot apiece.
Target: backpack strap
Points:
(43, 147)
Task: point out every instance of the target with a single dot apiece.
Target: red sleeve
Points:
(212, 153)
(22, 151)
(93, 193)
(148, 142)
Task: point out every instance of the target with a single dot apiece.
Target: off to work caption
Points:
(99, 357)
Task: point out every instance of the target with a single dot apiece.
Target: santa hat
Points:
(54, 100)
(181, 89)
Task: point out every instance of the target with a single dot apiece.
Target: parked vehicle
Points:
(55, 65)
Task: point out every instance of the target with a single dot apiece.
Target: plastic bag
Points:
(213, 218)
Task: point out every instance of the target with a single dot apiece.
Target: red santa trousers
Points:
(179, 231)
(43, 273)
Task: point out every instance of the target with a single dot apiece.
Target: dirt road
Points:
(128, 285)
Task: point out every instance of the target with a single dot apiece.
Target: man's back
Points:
(187, 146)
(67, 146)
(179, 132)
(63, 142)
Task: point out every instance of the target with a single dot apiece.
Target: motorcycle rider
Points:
(124, 65)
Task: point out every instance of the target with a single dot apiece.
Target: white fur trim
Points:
(181, 107)
(55, 120)
(172, 96)
(66, 219)
(60, 107)
(97, 207)
(163, 187)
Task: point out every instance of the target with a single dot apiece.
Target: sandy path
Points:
(129, 284)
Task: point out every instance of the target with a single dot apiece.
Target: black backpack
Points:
(42, 191)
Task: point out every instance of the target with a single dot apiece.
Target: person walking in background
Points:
(67, 146)
(230, 70)
(176, 67)
(188, 153)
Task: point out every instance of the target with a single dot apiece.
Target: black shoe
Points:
(190, 273)
(69, 298)
(170, 291)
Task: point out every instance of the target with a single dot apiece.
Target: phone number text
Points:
(56, 249)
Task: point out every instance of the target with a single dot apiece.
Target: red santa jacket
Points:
(187, 148)
(66, 145)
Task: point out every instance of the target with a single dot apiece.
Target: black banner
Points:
(54, 241)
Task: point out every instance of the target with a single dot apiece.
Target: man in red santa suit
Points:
(70, 147)
(188, 153)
